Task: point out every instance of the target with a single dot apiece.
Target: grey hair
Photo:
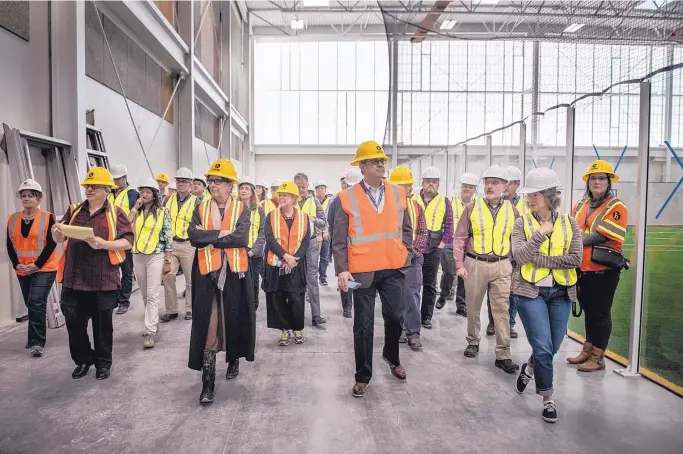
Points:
(553, 198)
(301, 176)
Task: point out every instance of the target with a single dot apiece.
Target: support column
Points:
(68, 76)
(489, 150)
(246, 53)
(394, 101)
(536, 57)
(638, 265)
(522, 151)
(668, 112)
(569, 161)
(226, 147)
(185, 103)
(252, 130)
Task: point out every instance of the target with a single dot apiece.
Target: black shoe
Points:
(403, 339)
(208, 377)
(347, 313)
(80, 371)
(523, 379)
(323, 281)
(471, 351)
(441, 302)
(549, 412)
(102, 374)
(233, 369)
(427, 324)
(513, 333)
(122, 309)
(490, 330)
(188, 315)
(507, 365)
(461, 312)
(167, 317)
(26, 346)
(318, 320)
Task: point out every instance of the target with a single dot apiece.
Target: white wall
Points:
(318, 167)
(203, 155)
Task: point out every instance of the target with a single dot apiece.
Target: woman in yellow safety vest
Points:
(257, 239)
(547, 249)
(152, 252)
(223, 312)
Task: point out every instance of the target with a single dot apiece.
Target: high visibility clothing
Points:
(255, 220)
(268, 206)
(115, 257)
(375, 240)
(309, 207)
(457, 205)
(557, 245)
(491, 236)
(180, 217)
(207, 195)
(29, 249)
(147, 230)
(413, 211)
(121, 199)
(435, 211)
(325, 204)
(522, 207)
(289, 238)
(609, 220)
(209, 257)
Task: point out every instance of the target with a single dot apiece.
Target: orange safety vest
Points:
(115, 257)
(210, 257)
(612, 227)
(289, 238)
(29, 249)
(375, 240)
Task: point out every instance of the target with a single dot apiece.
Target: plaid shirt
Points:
(421, 239)
(88, 269)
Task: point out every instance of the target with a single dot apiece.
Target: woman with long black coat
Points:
(224, 317)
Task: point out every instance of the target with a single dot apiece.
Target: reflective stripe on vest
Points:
(580, 216)
(147, 230)
(255, 225)
(29, 249)
(289, 239)
(268, 206)
(374, 239)
(180, 219)
(435, 212)
(458, 207)
(491, 236)
(121, 200)
(210, 258)
(413, 211)
(557, 245)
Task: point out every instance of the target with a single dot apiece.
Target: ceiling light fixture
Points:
(573, 28)
(448, 24)
(297, 24)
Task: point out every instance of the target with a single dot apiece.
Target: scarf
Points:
(217, 220)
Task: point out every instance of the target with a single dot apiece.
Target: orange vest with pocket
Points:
(209, 257)
(289, 238)
(29, 249)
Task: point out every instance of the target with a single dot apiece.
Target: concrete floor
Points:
(297, 399)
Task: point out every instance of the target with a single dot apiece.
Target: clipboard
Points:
(77, 233)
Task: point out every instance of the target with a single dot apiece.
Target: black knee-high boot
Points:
(208, 377)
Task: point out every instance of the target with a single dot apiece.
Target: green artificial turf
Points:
(662, 329)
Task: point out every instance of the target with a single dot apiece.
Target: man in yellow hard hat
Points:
(372, 244)
(162, 183)
(89, 273)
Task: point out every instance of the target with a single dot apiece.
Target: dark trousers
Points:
(346, 300)
(123, 293)
(286, 310)
(324, 258)
(35, 288)
(78, 308)
(256, 266)
(389, 284)
(596, 294)
(448, 277)
(429, 272)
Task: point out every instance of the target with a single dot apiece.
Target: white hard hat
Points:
(540, 179)
(469, 178)
(319, 183)
(431, 172)
(353, 176)
(30, 184)
(329, 192)
(171, 185)
(514, 174)
(118, 171)
(201, 178)
(150, 183)
(496, 172)
(184, 173)
(311, 187)
(276, 183)
(343, 176)
(261, 182)
(247, 180)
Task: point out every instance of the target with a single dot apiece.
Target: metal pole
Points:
(394, 102)
(641, 230)
(569, 161)
(536, 57)
(522, 151)
(448, 186)
(668, 111)
(489, 150)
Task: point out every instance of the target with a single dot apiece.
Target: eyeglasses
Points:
(182, 181)
(375, 162)
(493, 182)
(94, 186)
(534, 195)
(217, 180)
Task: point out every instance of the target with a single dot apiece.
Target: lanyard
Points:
(377, 202)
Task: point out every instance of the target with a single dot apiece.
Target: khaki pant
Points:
(183, 255)
(148, 270)
(494, 277)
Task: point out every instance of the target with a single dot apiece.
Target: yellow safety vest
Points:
(121, 200)
(557, 245)
(147, 231)
(268, 206)
(325, 204)
(413, 211)
(180, 218)
(435, 212)
(522, 207)
(255, 219)
(207, 195)
(489, 236)
(458, 206)
(309, 207)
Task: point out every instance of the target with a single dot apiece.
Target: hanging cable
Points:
(201, 133)
(201, 23)
(168, 106)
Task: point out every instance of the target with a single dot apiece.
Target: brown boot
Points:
(595, 363)
(583, 356)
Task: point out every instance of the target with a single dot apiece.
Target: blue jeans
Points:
(324, 258)
(36, 288)
(545, 322)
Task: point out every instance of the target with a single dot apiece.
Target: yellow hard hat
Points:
(369, 150)
(223, 168)
(601, 166)
(162, 178)
(288, 187)
(401, 175)
(99, 176)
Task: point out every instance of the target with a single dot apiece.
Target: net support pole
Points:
(569, 160)
(489, 150)
(638, 264)
(522, 151)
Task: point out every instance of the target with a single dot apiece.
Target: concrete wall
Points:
(285, 166)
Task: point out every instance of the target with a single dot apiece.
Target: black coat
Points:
(239, 314)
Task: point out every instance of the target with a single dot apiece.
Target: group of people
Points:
(511, 245)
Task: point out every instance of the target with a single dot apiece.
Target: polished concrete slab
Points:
(297, 399)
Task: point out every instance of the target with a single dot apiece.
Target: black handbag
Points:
(608, 257)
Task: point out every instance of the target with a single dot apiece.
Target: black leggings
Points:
(596, 293)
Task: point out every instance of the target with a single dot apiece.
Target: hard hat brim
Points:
(234, 180)
(613, 179)
(401, 181)
(18, 193)
(298, 197)
(534, 190)
(356, 162)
